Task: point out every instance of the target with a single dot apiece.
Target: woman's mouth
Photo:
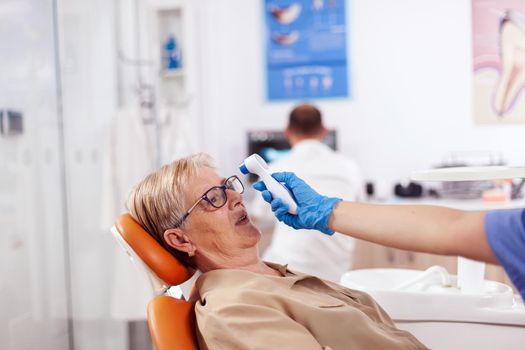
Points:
(243, 219)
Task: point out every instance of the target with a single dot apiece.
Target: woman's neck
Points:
(254, 265)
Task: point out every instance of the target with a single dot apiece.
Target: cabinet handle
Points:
(10, 122)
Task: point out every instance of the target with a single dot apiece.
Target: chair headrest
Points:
(158, 259)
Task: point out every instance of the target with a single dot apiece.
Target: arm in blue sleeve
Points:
(505, 230)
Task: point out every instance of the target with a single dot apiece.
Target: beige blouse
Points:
(245, 310)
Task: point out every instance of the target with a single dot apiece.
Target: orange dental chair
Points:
(171, 321)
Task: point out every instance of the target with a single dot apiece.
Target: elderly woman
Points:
(245, 303)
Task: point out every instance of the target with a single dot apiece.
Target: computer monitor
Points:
(272, 145)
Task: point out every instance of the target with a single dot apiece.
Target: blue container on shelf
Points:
(172, 54)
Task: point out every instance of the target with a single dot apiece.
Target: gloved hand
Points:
(313, 209)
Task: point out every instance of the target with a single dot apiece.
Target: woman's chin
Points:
(249, 229)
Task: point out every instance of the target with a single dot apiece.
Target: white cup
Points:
(471, 275)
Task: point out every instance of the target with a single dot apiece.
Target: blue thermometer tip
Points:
(243, 169)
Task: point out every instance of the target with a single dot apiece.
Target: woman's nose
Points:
(234, 198)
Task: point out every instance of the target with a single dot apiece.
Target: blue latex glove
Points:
(313, 209)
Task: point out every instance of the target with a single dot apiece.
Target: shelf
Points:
(172, 73)
(170, 38)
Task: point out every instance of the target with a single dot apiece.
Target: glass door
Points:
(34, 296)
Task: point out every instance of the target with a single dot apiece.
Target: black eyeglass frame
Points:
(225, 186)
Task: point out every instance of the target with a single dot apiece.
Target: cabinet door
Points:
(371, 255)
(422, 261)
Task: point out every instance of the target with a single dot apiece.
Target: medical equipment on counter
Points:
(475, 188)
(256, 165)
(470, 273)
(272, 145)
(429, 304)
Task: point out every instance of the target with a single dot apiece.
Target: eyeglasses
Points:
(216, 196)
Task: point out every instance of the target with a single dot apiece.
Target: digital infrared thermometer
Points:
(256, 165)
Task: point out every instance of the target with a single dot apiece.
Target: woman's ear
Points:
(178, 239)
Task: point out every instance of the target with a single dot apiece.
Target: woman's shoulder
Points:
(223, 280)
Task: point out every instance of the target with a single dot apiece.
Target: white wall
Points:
(410, 77)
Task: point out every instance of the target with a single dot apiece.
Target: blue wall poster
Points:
(306, 51)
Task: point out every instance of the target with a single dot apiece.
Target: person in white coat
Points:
(328, 172)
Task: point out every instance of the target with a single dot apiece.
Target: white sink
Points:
(432, 306)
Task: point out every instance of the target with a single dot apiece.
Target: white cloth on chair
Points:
(132, 154)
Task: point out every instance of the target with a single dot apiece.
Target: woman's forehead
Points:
(204, 180)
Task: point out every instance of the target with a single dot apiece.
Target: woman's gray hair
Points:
(159, 201)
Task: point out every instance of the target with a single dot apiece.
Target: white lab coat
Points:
(309, 251)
